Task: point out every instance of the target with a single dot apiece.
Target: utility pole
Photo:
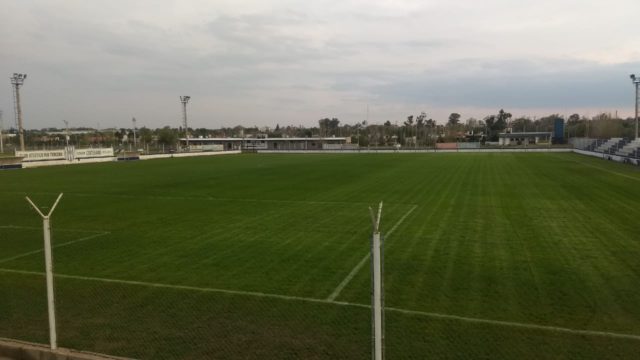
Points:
(135, 142)
(185, 100)
(636, 82)
(17, 80)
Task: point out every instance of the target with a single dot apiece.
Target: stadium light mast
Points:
(185, 100)
(1, 127)
(135, 142)
(66, 135)
(17, 80)
(636, 81)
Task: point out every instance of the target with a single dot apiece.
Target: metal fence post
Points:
(48, 259)
(376, 288)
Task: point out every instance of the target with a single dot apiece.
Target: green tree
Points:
(454, 119)
(496, 123)
(167, 136)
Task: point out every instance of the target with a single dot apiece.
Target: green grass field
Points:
(487, 256)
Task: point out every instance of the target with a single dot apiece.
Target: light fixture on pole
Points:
(185, 100)
(17, 80)
(636, 81)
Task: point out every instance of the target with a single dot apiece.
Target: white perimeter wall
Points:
(33, 164)
(617, 158)
(408, 151)
(607, 156)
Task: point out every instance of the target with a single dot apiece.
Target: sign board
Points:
(42, 155)
(69, 153)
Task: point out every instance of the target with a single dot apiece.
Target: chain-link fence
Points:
(164, 292)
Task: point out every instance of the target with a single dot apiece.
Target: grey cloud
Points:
(289, 58)
(516, 83)
(254, 40)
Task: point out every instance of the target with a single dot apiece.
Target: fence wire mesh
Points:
(229, 278)
(146, 320)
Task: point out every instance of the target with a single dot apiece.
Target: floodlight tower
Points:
(1, 127)
(17, 80)
(636, 81)
(135, 143)
(185, 100)
(66, 135)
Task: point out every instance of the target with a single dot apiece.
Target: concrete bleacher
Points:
(583, 143)
(594, 145)
(630, 149)
(611, 146)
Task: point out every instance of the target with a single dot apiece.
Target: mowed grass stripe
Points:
(592, 253)
(521, 238)
(336, 292)
(409, 257)
(239, 250)
(197, 198)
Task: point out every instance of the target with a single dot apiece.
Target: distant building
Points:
(324, 143)
(517, 138)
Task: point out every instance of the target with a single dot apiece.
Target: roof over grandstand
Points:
(525, 134)
(266, 139)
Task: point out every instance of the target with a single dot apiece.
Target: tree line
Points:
(415, 130)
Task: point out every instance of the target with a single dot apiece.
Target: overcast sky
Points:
(294, 62)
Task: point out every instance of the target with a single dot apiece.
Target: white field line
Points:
(528, 326)
(170, 286)
(40, 228)
(54, 247)
(208, 198)
(518, 324)
(360, 264)
(602, 169)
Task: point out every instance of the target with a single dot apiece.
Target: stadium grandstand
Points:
(265, 143)
(619, 147)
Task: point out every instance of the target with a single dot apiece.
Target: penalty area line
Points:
(54, 247)
(360, 264)
(502, 323)
(19, 227)
(168, 286)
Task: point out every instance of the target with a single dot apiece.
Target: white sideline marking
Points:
(602, 169)
(518, 324)
(40, 228)
(170, 286)
(359, 265)
(54, 247)
(343, 303)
